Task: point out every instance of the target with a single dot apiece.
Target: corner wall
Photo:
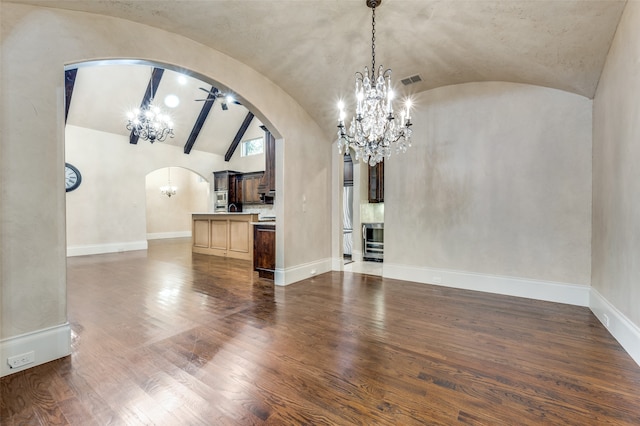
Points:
(616, 187)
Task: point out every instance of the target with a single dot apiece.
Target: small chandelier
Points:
(374, 130)
(149, 122)
(168, 189)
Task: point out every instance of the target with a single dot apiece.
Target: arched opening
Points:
(172, 194)
(118, 206)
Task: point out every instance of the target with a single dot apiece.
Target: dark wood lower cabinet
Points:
(264, 250)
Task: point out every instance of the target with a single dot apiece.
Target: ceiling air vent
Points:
(410, 80)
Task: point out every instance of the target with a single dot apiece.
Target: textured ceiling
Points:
(312, 48)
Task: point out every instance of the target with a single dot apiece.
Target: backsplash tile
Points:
(372, 213)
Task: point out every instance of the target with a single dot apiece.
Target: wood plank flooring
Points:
(165, 337)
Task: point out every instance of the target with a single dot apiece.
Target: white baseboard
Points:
(106, 248)
(337, 263)
(165, 235)
(620, 327)
(298, 273)
(47, 344)
(356, 255)
(572, 294)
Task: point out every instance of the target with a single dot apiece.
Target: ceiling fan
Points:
(213, 94)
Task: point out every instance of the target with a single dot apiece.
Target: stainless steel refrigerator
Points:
(347, 221)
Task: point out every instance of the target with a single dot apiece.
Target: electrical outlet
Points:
(606, 320)
(20, 360)
(437, 280)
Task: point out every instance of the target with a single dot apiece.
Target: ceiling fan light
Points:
(171, 101)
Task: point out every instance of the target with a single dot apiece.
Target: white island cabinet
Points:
(224, 234)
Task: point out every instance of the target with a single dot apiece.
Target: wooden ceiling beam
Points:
(149, 94)
(241, 131)
(204, 112)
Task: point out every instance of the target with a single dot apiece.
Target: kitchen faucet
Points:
(235, 208)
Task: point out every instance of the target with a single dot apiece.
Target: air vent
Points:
(410, 80)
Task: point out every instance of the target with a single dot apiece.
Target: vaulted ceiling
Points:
(102, 93)
(312, 48)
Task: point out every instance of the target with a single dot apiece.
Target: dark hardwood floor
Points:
(169, 338)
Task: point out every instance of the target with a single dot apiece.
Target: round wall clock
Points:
(72, 177)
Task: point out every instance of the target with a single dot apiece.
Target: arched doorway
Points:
(168, 210)
(108, 212)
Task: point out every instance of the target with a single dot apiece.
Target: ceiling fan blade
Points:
(213, 92)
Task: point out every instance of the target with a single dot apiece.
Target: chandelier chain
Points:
(373, 42)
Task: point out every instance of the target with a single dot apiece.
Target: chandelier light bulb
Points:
(373, 130)
(149, 122)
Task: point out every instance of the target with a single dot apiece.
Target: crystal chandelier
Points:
(149, 122)
(374, 130)
(168, 189)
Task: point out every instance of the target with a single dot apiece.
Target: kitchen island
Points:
(223, 234)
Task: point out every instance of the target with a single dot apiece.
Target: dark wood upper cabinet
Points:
(254, 187)
(231, 182)
(235, 189)
(221, 180)
(250, 182)
(376, 183)
(267, 186)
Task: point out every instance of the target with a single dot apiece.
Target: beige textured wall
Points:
(36, 45)
(498, 182)
(616, 174)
